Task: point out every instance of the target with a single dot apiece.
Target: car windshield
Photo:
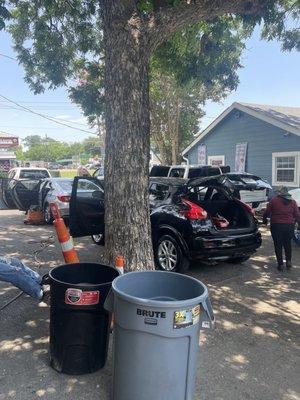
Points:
(65, 185)
(33, 174)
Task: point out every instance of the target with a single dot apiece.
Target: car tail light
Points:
(248, 208)
(64, 199)
(194, 212)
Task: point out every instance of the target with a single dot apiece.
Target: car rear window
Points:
(158, 191)
(65, 186)
(203, 171)
(159, 170)
(177, 173)
(33, 174)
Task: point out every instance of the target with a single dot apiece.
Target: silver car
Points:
(55, 190)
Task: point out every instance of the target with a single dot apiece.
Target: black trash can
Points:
(79, 325)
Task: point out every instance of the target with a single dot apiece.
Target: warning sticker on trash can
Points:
(77, 297)
(186, 318)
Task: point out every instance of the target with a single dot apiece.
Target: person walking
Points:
(283, 213)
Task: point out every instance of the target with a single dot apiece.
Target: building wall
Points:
(263, 139)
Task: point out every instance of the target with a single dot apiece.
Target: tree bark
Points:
(174, 126)
(127, 222)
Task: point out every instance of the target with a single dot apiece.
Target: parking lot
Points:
(251, 353)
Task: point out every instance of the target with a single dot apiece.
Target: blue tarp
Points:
(18, 274)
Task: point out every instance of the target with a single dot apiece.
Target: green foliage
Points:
(19, 154)
(4, 14)
(55, 39)
(89, 93)
(52, 150)
(34, 140)
(209, 52)
(61, 40)
(175, 114)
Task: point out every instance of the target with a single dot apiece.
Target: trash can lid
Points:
(159, 288)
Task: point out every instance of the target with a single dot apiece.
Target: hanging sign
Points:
(6, 142)
(202, 154)
(240, 157)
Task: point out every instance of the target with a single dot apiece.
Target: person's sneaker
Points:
(280, 267)
(288, 265)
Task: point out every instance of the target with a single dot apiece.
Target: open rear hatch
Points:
(216, 195)
(252, 189)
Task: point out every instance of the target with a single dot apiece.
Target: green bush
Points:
(68, 173)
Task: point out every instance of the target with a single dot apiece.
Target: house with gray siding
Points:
(259, 139)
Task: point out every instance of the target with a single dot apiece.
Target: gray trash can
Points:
(158, 316)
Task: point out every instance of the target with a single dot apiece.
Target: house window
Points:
(216, 161)
(285, 168)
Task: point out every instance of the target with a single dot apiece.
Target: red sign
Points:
(6, 142)
(77, 297)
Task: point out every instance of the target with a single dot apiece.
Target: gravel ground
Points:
(253, 353)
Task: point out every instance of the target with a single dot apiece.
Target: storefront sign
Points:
(6, 142)
(202, 155)
(240, 157)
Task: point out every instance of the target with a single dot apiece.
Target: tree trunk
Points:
(174, 130)
(127, 227)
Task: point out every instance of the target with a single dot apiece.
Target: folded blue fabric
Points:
(18, 274)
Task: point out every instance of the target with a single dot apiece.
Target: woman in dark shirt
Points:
(283, 213)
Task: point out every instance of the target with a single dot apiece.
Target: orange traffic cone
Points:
(64, 238)
(119, 264)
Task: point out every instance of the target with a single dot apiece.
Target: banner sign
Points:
(202, 155)
(6, 142)
(240, 157)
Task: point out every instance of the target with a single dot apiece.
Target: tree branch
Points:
(167, 20)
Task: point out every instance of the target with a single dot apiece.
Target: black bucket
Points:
(79, 325)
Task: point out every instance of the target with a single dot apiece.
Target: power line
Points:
(6, 56)
(26, 127)
(41, 102)
(25, 109)
(45, 116)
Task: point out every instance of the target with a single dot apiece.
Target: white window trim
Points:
(295, 154)
(213, 158)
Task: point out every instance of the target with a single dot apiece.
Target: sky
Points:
(269, 76)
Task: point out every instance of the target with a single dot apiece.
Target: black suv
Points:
(198, 219)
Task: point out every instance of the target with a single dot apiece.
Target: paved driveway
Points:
(253, 353)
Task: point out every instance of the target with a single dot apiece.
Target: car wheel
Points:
(297, 234)
(169, 256)
(98, 239)
(48, 218)
(238, 260)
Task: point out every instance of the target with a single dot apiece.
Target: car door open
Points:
(20, 194)
(86, 207)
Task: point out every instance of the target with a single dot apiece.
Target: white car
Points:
(21, 180)
(296, 196)
(28, 173)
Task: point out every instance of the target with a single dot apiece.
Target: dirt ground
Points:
(253, 352)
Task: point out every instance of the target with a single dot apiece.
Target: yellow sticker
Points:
(186, 318)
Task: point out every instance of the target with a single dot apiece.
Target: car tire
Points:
(238, 260)
(48, 218)
(98, 239)
(168, 255)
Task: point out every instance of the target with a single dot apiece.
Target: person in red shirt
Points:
(283, 213)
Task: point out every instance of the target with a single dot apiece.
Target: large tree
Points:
(198, 63)
(50, 36)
